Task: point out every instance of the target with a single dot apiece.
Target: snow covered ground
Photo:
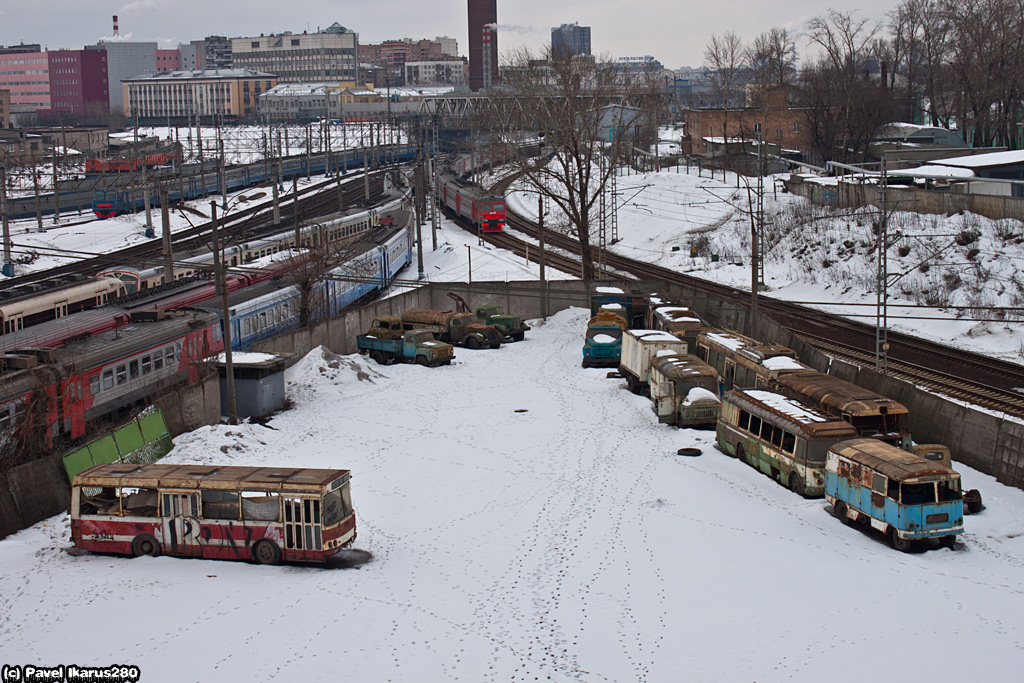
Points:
(528, 520)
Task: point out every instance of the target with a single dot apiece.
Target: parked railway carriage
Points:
(482, 208)
(898, 493)
(262, 514)
(331, 230)
(871, 414)
(17, 314)
(266, 310)
(780, 437)
(70, 387)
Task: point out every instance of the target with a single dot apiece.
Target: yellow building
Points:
(224, 93)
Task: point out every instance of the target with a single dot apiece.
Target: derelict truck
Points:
(639, 348)
(460, 329)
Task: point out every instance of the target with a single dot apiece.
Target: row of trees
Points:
(941, 62)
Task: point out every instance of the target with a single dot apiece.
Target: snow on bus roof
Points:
(679, 314)
(783, 363)
(654, 335)
(609, 290)
(727, 340)
(786, 406)
(612, 307)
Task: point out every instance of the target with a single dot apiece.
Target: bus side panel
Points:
(233, 540)
(114, 536)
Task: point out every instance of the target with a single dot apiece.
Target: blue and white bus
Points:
(899, 493)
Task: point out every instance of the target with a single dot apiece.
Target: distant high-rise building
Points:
(571, 38)
(483, 17)
(65, 81)
(217, 53)
(188, 56)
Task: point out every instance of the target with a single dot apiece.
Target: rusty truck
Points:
(460, 329)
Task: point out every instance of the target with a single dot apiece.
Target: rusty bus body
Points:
(684, 390)
(779, 436)
(263, 514)
(898, 493)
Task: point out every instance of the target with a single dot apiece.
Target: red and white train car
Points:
(482, 208)
(54, 393)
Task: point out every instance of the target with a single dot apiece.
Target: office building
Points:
(571, 38)
(125, 60)
(328, 56)
(212, 93)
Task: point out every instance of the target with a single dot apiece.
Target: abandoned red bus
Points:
(263, 514)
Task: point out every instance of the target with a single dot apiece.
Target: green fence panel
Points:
(144, 440)
(104, 450)
(129, 438)
(77, 461)
(153, 426)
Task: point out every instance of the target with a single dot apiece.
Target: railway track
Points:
(987, 382)
(316, 200)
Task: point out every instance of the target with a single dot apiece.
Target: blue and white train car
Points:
(267, 310)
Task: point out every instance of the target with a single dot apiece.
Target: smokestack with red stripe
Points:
(116, 32)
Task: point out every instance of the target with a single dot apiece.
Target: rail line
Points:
(970, 377)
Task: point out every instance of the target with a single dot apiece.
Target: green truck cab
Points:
(512, 325)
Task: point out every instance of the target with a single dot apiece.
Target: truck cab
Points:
(603, 345)
(512, 325)
(386, 327)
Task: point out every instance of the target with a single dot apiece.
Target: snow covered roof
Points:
(783, 363)
(786, 406)
(653, 335)
(984, 160)
(954, 171)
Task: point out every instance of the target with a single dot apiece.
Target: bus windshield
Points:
(604, 335)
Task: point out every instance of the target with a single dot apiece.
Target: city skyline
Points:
(520, 22)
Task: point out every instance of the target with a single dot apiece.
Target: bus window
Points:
(788, 442)
(261, 505)
(744, 420)
(101, 502)
(137, 502)
(220, 504)
(893, 489)
(949, 490)
(916, 494)
(878, 483)
(755, 424)
(777, 437)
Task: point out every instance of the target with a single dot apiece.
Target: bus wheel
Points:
(839, 509)
(796, 484)
(378, 357)
(265, 552)
(422, 360)
(901, 544)
(145, 545)
(948, 541)
(472, 343)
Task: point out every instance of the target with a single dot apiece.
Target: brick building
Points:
(168, 60)
(779, 124)
(5, 109)
(483, 44)
(55, 82)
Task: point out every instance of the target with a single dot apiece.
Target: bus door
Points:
(730, 373)
(302, 527)
(181, 523)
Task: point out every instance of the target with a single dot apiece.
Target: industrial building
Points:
(210, 93)
(328, 56)
(483, 44)
(570, 38)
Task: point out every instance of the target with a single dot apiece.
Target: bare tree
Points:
(772, 61)
(845, 106)
(723, 55)
(586, 111)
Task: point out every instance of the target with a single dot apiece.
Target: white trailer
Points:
(639, 347)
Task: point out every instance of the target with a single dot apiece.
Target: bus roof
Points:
(889, 460)
(809, 420)
(683, 366)
(207, 476)
(843, 396)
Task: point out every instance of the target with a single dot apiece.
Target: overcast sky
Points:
(673, 32)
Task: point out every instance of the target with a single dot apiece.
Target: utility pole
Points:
(223, 177)
(222, 285)
(39, 208)
(145, 199)
(882, 284)
(418, 206)
(56, 191)
(366, 177)
(295, 211)
(540, 232)
(165, 219)
(8, 265)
